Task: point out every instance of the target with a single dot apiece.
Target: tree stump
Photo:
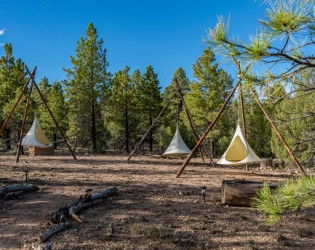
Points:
(240, 192)
(266, 162)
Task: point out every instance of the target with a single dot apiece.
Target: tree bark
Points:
(126, 126)
(240, 192)
(13, 195)
(14, 188)
(60, 227)
(93, 126)
(7, 139)
(55, 139)
(151, 135)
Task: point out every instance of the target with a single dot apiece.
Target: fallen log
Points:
(18, 187)
(64, 214)
(12, 196)
(84, 201)
(240, 192)
(60, 227)
(105, 193)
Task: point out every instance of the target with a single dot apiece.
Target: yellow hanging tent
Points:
(239, 151)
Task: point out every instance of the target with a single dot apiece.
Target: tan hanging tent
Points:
(239, 151)
(37, 142)
(177, 147)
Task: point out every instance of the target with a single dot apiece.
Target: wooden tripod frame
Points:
(191, 122)
(238, 64)
(33, 83)
(268, 117)
(178, 87)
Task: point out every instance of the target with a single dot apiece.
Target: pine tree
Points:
(122, 108)
(54, 96)
(150, 101)
(135, 107)
(206, 96)
(175, 113)
(85, 86)
(258, 129)
(294, 114)
(37, 103)
(286, 58)
(12, 80)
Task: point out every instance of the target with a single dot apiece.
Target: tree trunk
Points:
(240, 192)
(7, 139)
(55, 139)
(126, 126)
(151, 135)
(93, 126)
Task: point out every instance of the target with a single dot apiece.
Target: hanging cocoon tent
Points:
(177, 146)
(239, 151)
(36, 137)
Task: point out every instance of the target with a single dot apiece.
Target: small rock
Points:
(111, 227)
(144, 219)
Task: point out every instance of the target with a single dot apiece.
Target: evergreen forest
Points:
(102, 111)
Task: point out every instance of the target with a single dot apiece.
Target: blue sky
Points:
(164, 34)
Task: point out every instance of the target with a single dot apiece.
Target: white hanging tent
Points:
(36, 137)
(177, 146)
(239, 151)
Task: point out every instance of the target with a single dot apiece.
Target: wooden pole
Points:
(18, 100)
(297, 163)
(207, 131)
(155, 121)
(55, 121)
(52, 116)
(189, 117)
(24, 120)
(243, 116)
(242, 110)
(240, 74)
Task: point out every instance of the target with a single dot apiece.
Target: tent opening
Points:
(239, 151)
(36, 137)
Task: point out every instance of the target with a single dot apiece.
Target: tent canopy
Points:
(36, 137)
(177, 146)
(239, 151)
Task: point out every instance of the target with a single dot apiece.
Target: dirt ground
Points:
(153, 210)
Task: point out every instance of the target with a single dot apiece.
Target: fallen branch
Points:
(60, 227)
(63, 215)
(15, 189)
(12, 196)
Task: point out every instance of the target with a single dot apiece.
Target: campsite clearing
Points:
(153, 209)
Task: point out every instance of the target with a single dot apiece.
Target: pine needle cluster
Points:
(289, 197)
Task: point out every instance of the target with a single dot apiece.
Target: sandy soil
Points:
(152, 211)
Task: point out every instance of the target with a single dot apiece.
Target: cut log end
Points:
(240, 192)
